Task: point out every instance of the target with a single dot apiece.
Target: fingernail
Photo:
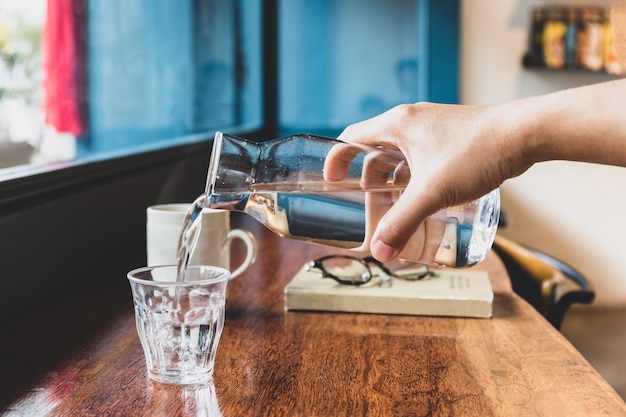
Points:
(383, 252)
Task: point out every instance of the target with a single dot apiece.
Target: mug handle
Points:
(251, 248)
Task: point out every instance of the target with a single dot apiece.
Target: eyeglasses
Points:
(348, 270)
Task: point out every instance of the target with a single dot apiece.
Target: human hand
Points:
(383, 175)
(455, 154)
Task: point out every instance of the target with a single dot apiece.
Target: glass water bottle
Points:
(282, 184)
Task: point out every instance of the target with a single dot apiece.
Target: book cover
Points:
(455, 293)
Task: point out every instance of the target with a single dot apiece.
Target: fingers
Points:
(372, 132)
(375, 174)
(449, 160)
(338, 159)
(402, 220)
(377, 167)
(398, 223)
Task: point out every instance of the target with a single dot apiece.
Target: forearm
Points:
(586, 124)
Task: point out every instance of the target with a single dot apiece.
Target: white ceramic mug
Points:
(164, 224)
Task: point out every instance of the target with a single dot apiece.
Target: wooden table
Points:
(81, 357)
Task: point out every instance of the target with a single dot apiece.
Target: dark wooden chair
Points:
(548, 284)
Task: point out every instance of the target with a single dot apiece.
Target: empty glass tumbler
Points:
(281, 183)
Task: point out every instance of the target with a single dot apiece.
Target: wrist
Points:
(517, 139)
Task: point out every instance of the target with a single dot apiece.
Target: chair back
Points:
(548, 284)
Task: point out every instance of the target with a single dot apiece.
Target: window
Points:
(20, 75)
(165, 69)
(94, 76)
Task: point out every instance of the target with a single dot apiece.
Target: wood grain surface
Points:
(79, 355)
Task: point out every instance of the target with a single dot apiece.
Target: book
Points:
(447, 292)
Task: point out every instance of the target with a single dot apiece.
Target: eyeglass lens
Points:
(347, 269)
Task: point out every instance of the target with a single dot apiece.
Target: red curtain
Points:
(64, 66)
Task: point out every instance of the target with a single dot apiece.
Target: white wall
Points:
(570, 210)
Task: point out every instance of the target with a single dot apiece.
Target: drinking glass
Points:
(179, 323)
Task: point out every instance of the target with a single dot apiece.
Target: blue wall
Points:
(348, 60)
